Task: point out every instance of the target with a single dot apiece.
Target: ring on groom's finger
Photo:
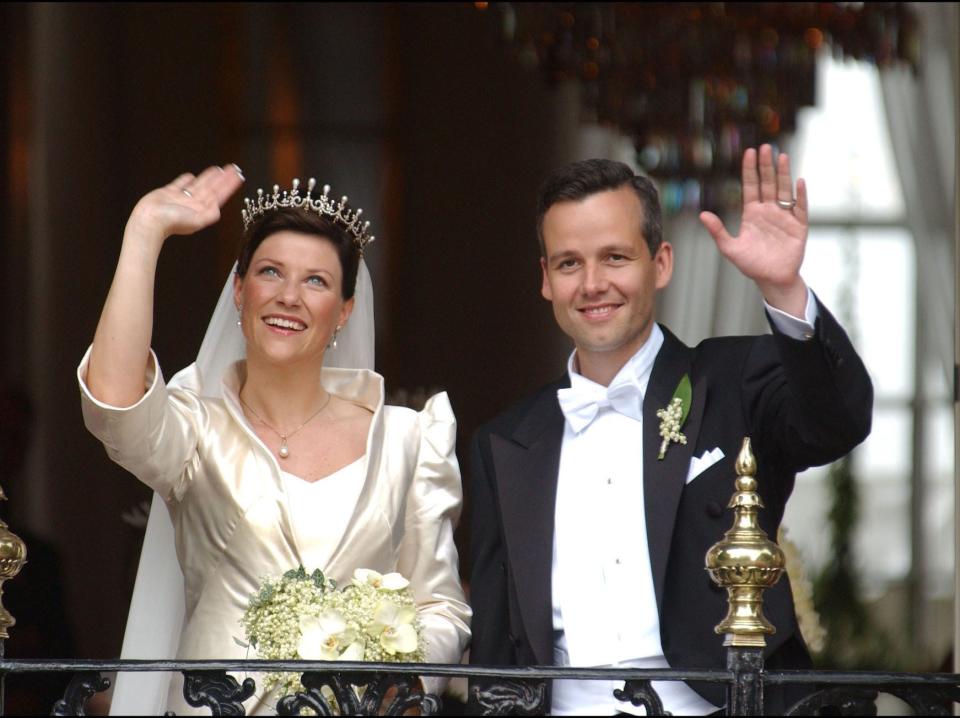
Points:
(786, 203)
(187, 192)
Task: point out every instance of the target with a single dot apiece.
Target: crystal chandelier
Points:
(694, 84)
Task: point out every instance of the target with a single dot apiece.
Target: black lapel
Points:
(663, 480)
(526, 466)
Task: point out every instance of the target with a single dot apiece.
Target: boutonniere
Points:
(673, 416)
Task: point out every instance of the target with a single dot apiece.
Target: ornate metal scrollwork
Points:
(847, 701)
(386, 694)
(81, 687)
(927, 700)
(504, 697)
(511, 691)
(218, 691)
(641, 693)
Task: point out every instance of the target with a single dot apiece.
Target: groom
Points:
(589, 529)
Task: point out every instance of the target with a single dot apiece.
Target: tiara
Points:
(323, 205)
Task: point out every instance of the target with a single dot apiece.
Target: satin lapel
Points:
(266, 464)
(526, 466)
(663, 480)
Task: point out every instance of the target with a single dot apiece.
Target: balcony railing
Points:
(745, 562)
(393, 688)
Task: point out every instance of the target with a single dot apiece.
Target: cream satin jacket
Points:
(231, 515)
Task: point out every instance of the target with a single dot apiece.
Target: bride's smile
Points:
(266, 458)
(290, 299)
(284, 325)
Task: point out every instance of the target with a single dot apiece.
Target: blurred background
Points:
(440, 121)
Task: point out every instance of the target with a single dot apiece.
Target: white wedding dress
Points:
(223, 503)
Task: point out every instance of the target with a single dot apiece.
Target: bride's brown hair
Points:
(295, 220)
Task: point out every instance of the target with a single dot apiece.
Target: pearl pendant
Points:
(284, 449)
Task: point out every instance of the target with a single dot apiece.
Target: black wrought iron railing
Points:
(392, 689)
(745, 562)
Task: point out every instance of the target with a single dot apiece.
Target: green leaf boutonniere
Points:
(672, 417)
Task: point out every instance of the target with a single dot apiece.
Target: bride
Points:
(276, 459)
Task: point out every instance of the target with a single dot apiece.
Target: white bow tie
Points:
(581, 405)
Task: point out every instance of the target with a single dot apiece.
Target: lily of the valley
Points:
(392, 624)
(671, 419)
(327, 638)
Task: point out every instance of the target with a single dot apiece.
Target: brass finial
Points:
(745, 562)
(13, 554)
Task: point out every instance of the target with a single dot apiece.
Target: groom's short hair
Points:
(578, 180)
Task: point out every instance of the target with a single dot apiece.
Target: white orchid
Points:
(390, 581)
(354, 652)
(301, 615)
(393, 625)
(328, 638)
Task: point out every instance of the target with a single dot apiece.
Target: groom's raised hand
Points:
(773, 230)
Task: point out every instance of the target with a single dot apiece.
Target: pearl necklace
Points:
(284, 451)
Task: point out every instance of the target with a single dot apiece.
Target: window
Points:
(861, 262)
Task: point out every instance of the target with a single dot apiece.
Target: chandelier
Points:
(694, 84)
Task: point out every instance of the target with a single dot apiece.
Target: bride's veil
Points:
(156, 612)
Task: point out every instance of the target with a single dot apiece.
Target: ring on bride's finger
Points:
(187, 192)
(786, 203)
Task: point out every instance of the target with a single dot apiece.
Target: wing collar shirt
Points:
(604, 606)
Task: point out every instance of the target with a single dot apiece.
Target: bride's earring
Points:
(333, 340)
(239, 315)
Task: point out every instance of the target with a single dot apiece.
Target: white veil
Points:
(156, 612)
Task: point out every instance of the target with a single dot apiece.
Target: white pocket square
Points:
(700, 464)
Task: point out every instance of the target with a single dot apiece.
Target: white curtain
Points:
(921, 115)
(707, 296)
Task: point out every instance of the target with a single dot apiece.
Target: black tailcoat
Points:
(803, 403)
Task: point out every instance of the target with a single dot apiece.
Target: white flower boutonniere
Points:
(673, 416)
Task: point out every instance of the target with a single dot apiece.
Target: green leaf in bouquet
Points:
(264, 596)
(297, 574)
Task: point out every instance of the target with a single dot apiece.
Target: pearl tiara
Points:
(323, 205)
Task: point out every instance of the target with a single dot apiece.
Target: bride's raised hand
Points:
(121, 345)
(186, 205)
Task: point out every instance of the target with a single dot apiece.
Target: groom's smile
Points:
(599, 312)
(600, 276)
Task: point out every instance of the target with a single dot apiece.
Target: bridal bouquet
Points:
(301, 615)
